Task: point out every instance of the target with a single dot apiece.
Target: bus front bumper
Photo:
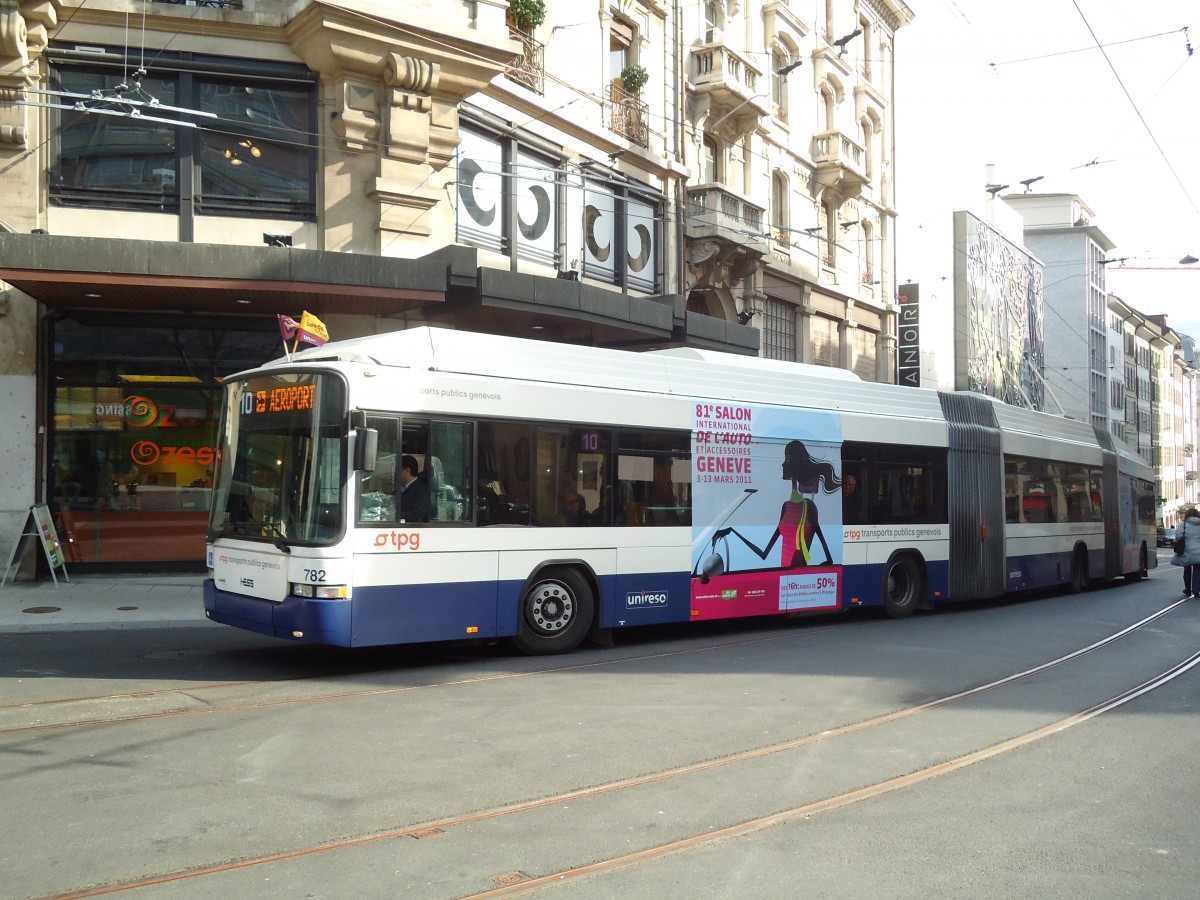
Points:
(295, 618)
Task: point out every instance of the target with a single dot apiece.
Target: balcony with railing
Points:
(527, 69)
(724, 233)
(628, 115)
(725, 237)
(210, 4)
(839, 162)
(714, 211)
(729, 80)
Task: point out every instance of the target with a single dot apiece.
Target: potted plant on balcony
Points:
(526, 15)
(634, 78)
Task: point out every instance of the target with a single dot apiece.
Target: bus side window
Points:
(502, 475)
(377, 491)
(654, 478)
(572, 476)
(448, 468)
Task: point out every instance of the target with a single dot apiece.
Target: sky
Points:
(1021, 85)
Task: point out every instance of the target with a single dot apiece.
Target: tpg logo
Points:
(642, 599)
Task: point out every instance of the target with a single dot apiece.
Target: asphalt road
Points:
(1036, 748)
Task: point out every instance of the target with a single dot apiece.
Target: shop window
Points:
(133, 428)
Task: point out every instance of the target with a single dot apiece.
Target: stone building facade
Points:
(636, 174)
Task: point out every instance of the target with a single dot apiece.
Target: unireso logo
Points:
(643, 599)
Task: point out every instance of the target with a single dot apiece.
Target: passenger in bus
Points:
(851, 500)
(414, 491)
(799, 520)
(574, 509)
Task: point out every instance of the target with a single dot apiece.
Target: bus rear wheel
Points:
(1143, 567)
(1079, 571)
(556, 613)
(902, 587)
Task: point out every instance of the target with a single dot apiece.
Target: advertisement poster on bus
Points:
(766, 510)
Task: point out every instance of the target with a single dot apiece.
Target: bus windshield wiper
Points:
(272, 531)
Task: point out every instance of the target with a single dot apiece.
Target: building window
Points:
(826, 348)
(863, 343)
(256, 158)
(511, 199)
(779, 330)
(520, 213)
(621, 34)
(779, 208)
(713, 19)
(710, 162)
(779, 75)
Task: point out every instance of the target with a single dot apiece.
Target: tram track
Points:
(829, 804)
(438, 826)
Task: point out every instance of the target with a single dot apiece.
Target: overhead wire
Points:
(581, 93)
(1141, 118)
(1013, 62)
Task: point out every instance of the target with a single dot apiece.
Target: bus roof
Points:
(679, 371)
(690, 372)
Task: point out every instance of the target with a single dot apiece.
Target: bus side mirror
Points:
(366, 448)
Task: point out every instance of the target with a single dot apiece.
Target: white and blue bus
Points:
(435, 485)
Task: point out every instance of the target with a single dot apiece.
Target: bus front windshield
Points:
(281, 468)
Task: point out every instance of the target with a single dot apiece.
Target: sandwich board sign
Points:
(39, 527)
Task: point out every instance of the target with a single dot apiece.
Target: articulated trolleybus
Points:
(434, 485)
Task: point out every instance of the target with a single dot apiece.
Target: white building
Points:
(789, 140)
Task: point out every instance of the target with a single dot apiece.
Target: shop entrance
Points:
(134, 403)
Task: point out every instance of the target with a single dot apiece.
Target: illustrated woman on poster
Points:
(799, 521)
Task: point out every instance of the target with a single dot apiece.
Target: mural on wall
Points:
(999, 346)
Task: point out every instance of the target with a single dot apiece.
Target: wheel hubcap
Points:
(551, 608)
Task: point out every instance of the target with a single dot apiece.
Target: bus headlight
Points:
(318, 591)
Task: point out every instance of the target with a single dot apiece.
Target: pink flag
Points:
(287, 327)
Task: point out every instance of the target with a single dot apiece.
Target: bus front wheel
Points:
(556, 613)
(902, 587)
